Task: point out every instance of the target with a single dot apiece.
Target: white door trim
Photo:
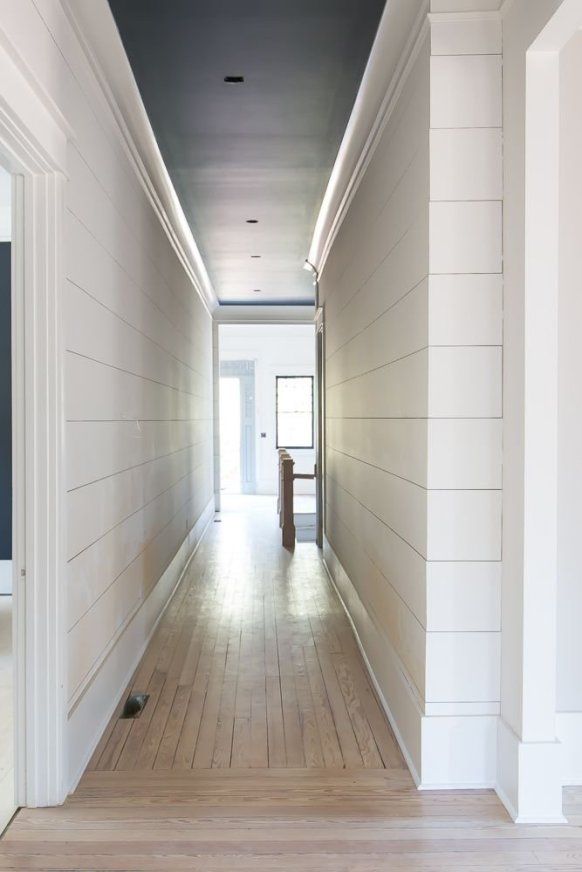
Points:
(529, 760)
(33, 143)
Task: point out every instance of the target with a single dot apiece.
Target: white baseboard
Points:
(569, 732)
(444, 752)
(95, 709)
(388, 680)
(5, 577)
(529, 778)
(459, 752)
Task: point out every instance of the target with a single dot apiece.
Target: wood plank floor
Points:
(263, 747)
(254, 665)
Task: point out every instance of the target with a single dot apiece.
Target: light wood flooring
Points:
(262, 746)
(254, 665)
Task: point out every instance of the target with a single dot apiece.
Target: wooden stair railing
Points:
(285, 499)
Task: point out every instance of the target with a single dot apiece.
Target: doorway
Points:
(7, 742)
(237, 431)
(267, 401)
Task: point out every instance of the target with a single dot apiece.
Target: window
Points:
(294, 411)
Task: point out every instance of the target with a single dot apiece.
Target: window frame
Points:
(295, 447)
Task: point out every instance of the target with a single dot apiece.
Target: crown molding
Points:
(97, 33)
(264, 314)
(485, 15)
(465, 6)
(401, 33)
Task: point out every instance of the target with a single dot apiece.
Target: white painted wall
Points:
(569, 690)
(5, 206)
(524, 20)
(138, 387)
(569, 637)
(375, 292)
(528, 762)
(276, 349)
(412, 294)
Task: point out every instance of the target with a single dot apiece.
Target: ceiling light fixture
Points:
(255, 256)
(234, 80)
(256, 290)
(252, 221)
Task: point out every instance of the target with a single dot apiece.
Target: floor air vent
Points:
(134, 705)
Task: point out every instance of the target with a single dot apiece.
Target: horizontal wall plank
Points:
(464, 525)
(403, 268)
(466, 164)
(100, 627)
(466, 37)
(397, 390)
(95, 568)
(385, 608)
(465, 382)
(398, 503)
(401, 566)
(464, 596)
(401, 330)
(465, 237)
(96, 449)
(465, 310)
(96, 332)
(95, 508)
(96, 391)
(465, 91)
(463, 667)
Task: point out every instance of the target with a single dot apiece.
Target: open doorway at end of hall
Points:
(267, 395)
(237, 431)
(7, 788)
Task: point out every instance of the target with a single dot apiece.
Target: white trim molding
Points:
(33, 144)
(394, 683)
(97, 33)
(401, 34)
(443, 752)
(529, 768)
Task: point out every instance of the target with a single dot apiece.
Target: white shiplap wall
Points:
(465, 402)
(375, 291)
(138, 387)
(412, 291)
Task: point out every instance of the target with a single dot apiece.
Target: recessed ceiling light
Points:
(255, 256)
(256, 290)
(252, 221)
(234, 80)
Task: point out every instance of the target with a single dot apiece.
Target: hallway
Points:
(253, 665)
(262, 745)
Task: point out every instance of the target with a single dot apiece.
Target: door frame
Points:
(244, 371)
(320, 425)
(33, 147)
(529, 768)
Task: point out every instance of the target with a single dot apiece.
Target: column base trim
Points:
(529, 778)
(450, 752)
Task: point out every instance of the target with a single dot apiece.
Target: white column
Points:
(462, 699)
(529, 759)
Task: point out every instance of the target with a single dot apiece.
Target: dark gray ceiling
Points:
(263, 149)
